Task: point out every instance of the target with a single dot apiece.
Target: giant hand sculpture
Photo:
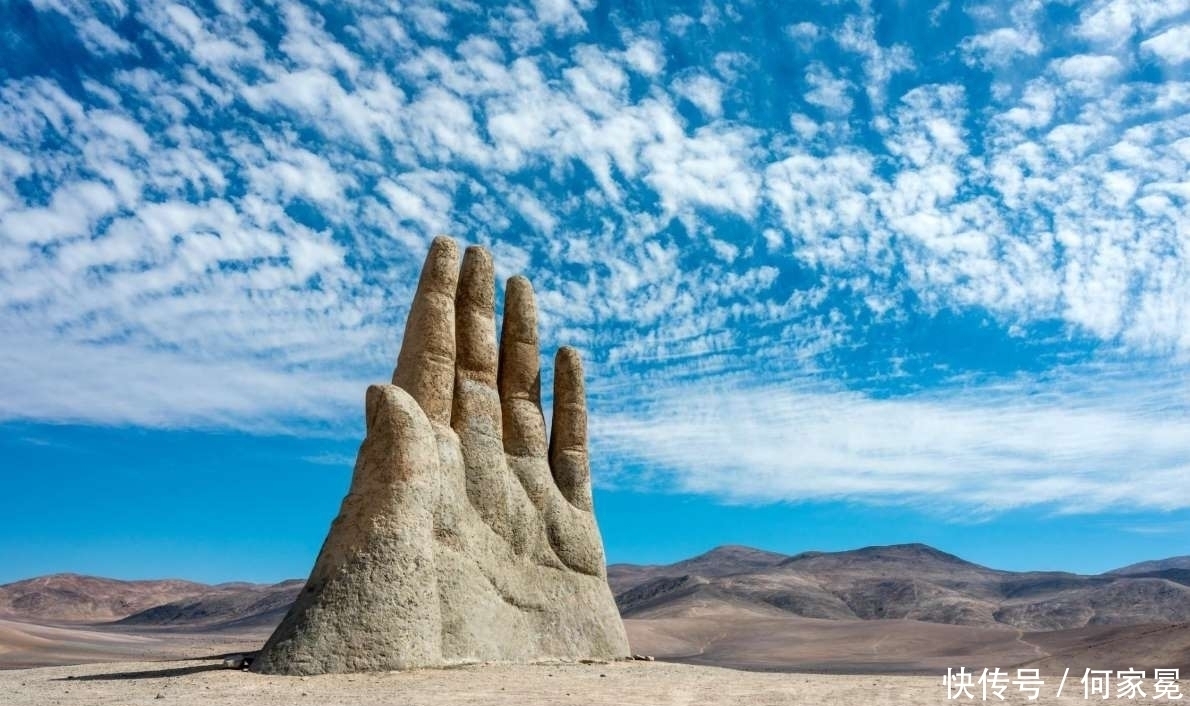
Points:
(464, 536)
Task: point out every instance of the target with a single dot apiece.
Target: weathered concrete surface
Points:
(466, 535)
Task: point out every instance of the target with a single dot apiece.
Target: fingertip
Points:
(441, 270)
(568, 376)
(475, 313)
(569, 359)
(477, 280)
(519, 282)
(388, 406)
(372, 404)
(520, 310)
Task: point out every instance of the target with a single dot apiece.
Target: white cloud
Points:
(251, 213)
(704, 92)
(1088, 73)
(645, 56)
(91, 21)
(987, 448)
(804, 33)
(1172, 45)
(707, 169)
(997, 48)
(423, 197)
(562, 14)
(880, 63)
(1113, 22)
(100, 384)
(1035, 108)
(828, 91)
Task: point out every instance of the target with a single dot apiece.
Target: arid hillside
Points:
(893, 609)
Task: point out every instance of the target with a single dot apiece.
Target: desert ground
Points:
(26, 644)
(782, 662)
(206, 683)
(734, 625)
(711, 635)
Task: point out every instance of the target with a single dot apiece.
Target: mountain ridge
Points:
(903, 581)
(1154, 565)
(911, 581)
(72, 597)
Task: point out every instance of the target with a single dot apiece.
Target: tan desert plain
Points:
(466, 567)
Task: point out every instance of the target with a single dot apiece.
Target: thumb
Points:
(400, 447)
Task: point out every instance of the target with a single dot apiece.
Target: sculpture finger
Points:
(569, 457)
(399, 447)
(476, 417)
(519, 378)
(476, 401)
(376, 567)
(426, 364)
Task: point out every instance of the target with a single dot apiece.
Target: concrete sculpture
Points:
(465, 536)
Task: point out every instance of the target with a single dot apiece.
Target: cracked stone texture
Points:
(466, 536)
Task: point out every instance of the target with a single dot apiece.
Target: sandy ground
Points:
(25, 644)
(738, 641)
(840, 646)
(120, 667)
(205, 683)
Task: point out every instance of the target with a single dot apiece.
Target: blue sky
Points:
(842, 273)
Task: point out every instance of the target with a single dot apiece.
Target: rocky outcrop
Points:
(466, 535)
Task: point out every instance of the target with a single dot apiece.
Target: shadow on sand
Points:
(148, 674)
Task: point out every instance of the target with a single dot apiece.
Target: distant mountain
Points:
(75, 598)
(907, 582)
(895, 557)
(1148, 567)
(902, 582)
(720, 561)
(72, 598)
(228, 606)
(730, 559)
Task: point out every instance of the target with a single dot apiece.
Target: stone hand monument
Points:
(466, 536)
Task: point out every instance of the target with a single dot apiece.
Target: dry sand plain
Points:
(161, 666)
(173, 667)
(205, 683)
(24, 644)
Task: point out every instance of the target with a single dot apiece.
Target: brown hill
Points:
(903, 608)
(228, 606)
(720, 561)
(75, 598)
(1147, 567)
(905, 582)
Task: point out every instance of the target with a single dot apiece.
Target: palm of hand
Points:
(464, 537)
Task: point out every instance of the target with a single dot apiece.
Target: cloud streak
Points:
(983, 448)
(216, 219)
